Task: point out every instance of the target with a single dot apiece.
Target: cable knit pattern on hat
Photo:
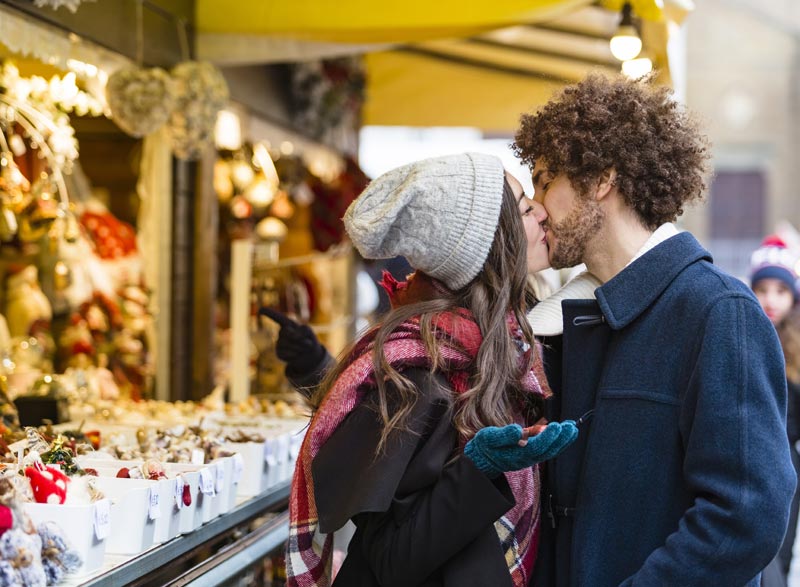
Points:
(441, 214)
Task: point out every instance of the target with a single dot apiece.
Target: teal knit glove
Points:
(496, 450)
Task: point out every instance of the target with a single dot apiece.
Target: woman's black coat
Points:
(422, 518)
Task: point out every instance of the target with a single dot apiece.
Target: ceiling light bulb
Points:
(636, 68)
(626, 44)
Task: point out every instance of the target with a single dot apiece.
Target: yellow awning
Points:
(391, 21)
(413, 90)
(365, 21)
(448, 62)
(488, 80)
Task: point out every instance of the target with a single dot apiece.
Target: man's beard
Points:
(574, 232)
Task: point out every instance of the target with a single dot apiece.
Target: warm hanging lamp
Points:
(637, 68)
(626, 44)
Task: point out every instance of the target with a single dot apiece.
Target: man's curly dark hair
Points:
(635, 127)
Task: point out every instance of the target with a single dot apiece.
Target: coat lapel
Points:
(635, 288)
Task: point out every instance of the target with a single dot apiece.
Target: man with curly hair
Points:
(681, 475)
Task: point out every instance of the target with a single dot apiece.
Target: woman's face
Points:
(533, 215)
(775, 297)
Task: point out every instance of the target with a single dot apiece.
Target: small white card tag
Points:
(283, 448)
(219, 477)
(178, 488)
(238, 468)
(269, 452)
(295, 445)
(154, 511)
(207, 481)
(102, 518)
(198, 456)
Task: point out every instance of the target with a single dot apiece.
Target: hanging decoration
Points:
(331, 200)
(35, 129)
(201, 93)
(58, 94)
(328, 95)
(39, 107)
(187, 100)
(141, 100)
(72, 5)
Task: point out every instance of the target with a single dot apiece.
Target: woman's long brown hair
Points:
(789, 333)
(495, 393)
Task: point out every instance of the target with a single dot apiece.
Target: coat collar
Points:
(546, 317)
(629, 293)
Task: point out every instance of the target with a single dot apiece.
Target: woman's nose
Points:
(539, 212)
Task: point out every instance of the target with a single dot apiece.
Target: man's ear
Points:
(608, 180)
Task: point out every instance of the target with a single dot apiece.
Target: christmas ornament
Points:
(49, 484)
(201, 92)
(140, 100)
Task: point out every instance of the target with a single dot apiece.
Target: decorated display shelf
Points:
(266, 526)
(113, 511)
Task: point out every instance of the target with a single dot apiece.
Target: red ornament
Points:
(93, 436)
(49, 484)
(6, 519)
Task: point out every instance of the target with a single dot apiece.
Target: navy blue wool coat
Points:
(682, 475)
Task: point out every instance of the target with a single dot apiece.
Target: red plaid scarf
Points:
(308, 560)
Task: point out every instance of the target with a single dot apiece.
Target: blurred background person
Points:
(773, 278)
(774, 281)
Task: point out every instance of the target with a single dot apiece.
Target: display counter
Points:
(215, 554)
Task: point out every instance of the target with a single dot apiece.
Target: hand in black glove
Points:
(297, 346)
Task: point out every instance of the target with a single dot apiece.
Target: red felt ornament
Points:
(6, 519)
(49, 484)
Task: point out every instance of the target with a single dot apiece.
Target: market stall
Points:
(87, 141)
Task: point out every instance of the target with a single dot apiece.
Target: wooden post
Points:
(241, 271)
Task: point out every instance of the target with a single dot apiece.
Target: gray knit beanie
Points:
(441, 214)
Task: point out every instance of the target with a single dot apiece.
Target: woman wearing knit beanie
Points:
(418, 435)
(774, 280)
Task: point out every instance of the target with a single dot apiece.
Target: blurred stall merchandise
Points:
(297, 259)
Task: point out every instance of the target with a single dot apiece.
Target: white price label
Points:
(102, 518)
(154, 511)
(283, 448)
(178, 488)
(219, 477)
(238, 468)
(269, 452)
(206, 482)
(198, 456)
(295, 446)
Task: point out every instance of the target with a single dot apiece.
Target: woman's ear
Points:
(608, 180)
